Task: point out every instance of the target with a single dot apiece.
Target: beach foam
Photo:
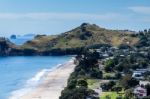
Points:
(53, 83)
(32, 83)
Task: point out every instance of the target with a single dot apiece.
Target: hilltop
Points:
(71, 42)
(84, 35)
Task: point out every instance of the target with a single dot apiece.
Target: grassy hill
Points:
(84, 35)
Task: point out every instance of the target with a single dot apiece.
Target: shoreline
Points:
(52, 83)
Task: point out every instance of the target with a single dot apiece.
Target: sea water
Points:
(21, 39)
(22, 73)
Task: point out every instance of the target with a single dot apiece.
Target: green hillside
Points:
(84, 35)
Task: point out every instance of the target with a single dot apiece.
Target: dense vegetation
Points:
(87, 67)
(144, 38)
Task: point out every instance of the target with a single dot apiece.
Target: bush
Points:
(119, 97)
(108, 86)
(118, 75)
(124, 46)
(109, 77)
(129, 93)
(148, 89)
(78, 93)
(107, 97)
(109, 65)
(117, 89)
(72, 84)
(82, 83)
(127, 81)
(96, 74)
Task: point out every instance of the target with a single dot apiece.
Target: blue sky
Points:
(57, 16)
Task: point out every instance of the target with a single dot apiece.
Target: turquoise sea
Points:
(22, 73)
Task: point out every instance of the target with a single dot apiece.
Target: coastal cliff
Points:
(6, 46)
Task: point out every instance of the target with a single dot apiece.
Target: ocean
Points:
(21, 74)
(21, 39)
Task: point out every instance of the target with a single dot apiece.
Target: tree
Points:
(123, 65)
(109, 65)
(145, 31)
(107, 97)
(149, 31)
(148, 89)
(124, 46)
(72, 84)
(117, 89)
(78, 93)
(82, 83)
(127, 81)
(129, 93)
(108, 86)
(118, 75)
(96, 73)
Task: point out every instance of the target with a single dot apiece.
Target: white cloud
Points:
(47, 16)
(141, 9)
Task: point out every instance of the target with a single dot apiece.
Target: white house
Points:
(105, 55)
(137, 75)
(144, 83)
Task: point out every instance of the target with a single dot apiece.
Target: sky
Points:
(56, 16)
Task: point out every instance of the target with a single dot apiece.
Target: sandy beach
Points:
(53, 83)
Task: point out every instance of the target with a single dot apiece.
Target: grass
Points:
(72, 39)
(39, 43)
(112, 95)
(106, 75)
(93, 83)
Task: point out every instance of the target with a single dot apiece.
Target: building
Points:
(138, 75)
(144, 83)
(140, 92)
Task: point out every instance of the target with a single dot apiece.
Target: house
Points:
(122, 55)
(144, 83)
(140, 92)
(137, 75)
(142, 70)
(105, 55)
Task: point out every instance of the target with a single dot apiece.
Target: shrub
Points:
(107, 97)
(118, 75)
(78, 93)
(82, 83)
